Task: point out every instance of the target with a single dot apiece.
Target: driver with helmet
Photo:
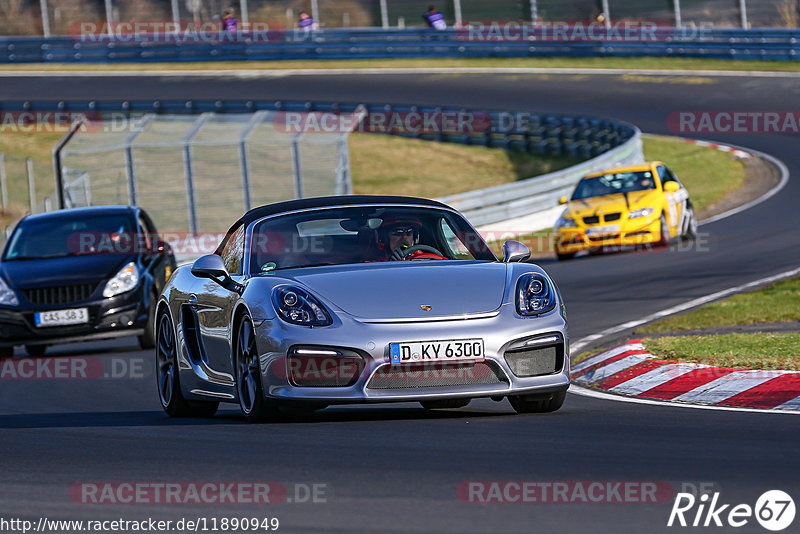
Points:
(398, 239)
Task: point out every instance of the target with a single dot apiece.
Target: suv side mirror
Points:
(514, 251)
(211, 266)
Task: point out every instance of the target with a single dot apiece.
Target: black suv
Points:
(81, 274)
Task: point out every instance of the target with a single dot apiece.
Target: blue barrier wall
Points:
(767, 44)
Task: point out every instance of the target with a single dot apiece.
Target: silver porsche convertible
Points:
(358, 299)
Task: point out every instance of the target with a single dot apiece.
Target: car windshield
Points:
(609, 184)
(361, 234)
(63, 236)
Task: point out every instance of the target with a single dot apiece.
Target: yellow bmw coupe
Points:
(623, 208)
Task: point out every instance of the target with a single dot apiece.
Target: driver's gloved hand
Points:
(398, 254)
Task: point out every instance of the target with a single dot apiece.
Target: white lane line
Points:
(576, 347)
(793, 404)
(620, 365)
(727, 386)
(597, 358)
(656, 377)
(585, 392)
(399, 70)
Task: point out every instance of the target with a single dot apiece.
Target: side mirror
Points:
(161, 247)
(211, 266)
(514, 251)
(562, 200)
(671, 187)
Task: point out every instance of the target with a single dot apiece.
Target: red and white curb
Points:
(630, 370)
(738, 152)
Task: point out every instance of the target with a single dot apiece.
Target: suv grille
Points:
(56, 296)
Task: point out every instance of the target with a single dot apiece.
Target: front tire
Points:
(249, 388)
(168, 379)
(538, 403)
(690, 234)
(148, 339)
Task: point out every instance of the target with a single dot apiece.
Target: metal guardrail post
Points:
(57, 170)
(31, 184)
(187, 169)
(244, 161)
(130, 167)
(176, 14)
(315, 11)
(534, 12)
(457, 9)
(677, 4)
(298, 173)
(109, 17)
(243, 11)
(3, 180)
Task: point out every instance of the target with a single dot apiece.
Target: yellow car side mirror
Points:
(671, 187)
(562, 200)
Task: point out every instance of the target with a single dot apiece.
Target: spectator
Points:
(434, 19)
(306, 23)
(229, 22)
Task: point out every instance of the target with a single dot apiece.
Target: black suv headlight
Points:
(535, 295)
(297, 306)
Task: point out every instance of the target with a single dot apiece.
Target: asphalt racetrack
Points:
(397, 468)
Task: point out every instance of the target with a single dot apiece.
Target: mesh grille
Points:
(594, 219)
(536, 362)
(612, 217)
(434, 375)
(46, 296)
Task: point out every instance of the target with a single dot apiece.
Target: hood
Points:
(24, 274)
(613, 203)
(385, 291)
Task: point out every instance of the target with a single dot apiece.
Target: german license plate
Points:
(436, 351)
(62, 317)
(603, 230)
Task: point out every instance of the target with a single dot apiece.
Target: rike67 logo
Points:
(774, 510)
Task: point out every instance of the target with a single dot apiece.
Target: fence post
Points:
(45, 18)
(244, 162)
(384, 15)
(457, 9)
(109, 18)
(187, 169)
(243, 11)
(57, 170)
(343, 183)
(534, 12)
(298, 173)
(677, 13)
(607, 14)
(743, 13)
(3, 180)
(315, 12)
(176, 14)
(31, 185)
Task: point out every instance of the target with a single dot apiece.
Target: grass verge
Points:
(772, 304)
(660, 63)
(750, 351)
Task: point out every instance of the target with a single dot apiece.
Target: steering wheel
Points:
(405, 253)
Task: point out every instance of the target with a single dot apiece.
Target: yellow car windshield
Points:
(609, 184)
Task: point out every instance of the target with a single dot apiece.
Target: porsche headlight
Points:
(566, 222)
(644, 212)
(297, 306)
(7, 295)
(535, 295)
(126, 279)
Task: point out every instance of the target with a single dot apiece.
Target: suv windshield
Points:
(62, 236)
(363, 234)
(609, 184)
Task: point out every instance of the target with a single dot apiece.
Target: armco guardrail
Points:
(509, 40)
(519, 199)
(603, 142)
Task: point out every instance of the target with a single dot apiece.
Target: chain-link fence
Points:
(64, 17)
(198, 173)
